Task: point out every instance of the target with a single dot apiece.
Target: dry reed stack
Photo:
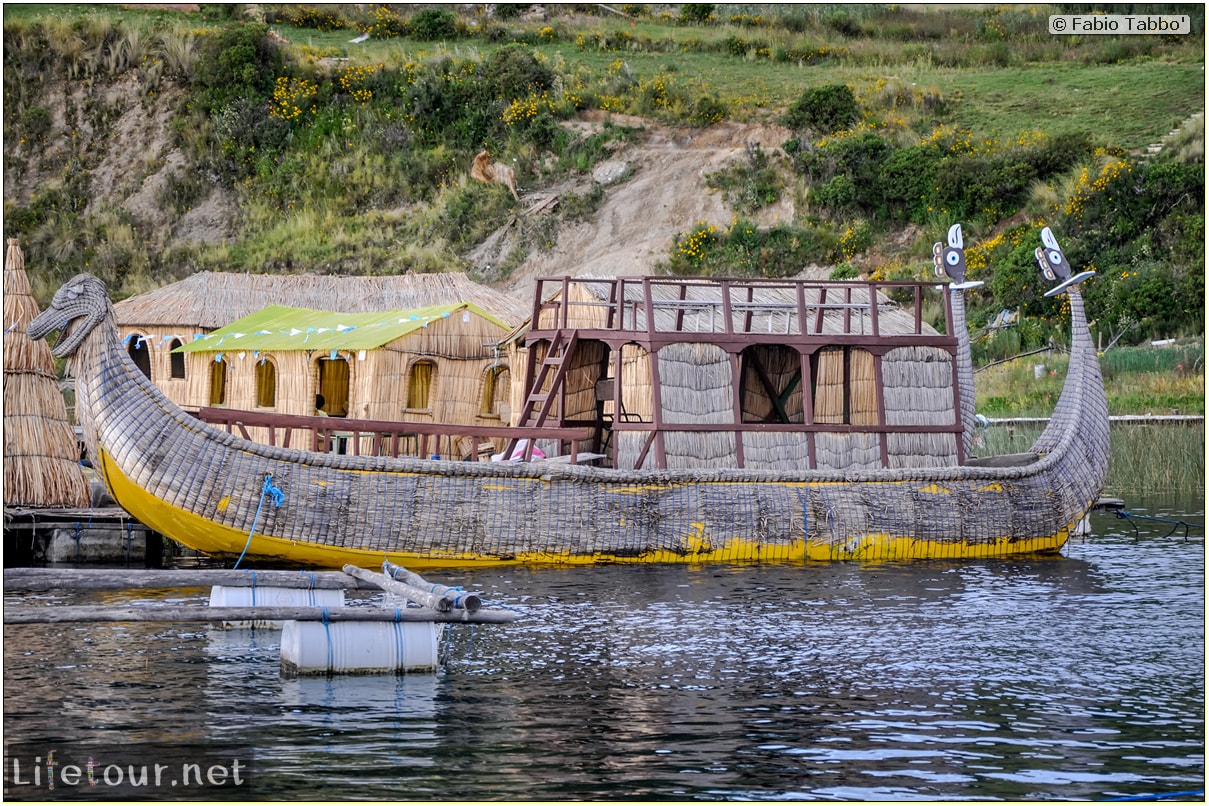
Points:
(41, 455)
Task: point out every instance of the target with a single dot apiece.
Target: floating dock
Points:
(315, 638)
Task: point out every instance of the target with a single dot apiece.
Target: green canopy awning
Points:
(279, 328)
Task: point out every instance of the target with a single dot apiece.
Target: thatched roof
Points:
(41, 455)
(279, 327)
(210, 300)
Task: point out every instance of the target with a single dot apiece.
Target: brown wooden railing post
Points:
(873, 309)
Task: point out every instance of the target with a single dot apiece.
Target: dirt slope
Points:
(665, 193)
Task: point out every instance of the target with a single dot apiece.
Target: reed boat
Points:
(785, 478)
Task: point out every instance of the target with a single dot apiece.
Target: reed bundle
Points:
(696, 385)
(848, 451)
(918, 385)
(41, 453)
(766, 450)
(829, 398)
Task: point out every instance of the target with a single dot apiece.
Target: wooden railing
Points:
(735, 306)
(386, 437)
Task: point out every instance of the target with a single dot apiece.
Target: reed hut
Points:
(751, 354)
(436, 364)
(153, 325)
(41, 453)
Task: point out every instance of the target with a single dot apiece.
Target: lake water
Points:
(1078, 677)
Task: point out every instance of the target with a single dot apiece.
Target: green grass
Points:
(1137, 380)
(1074, 99)
(1048, 85)
(1142, 458)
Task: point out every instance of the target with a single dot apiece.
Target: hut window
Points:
(178, 359)
(419, 384)
(844, 388)
(266, 384)
(218, 382)
(140, 353)
(334, 385)
(771, 384)
(496, 391)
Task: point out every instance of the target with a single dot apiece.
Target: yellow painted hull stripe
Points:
(202, 534)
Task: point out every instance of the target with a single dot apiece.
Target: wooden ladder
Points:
(538, 403)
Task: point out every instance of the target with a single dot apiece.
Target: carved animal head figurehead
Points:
(1050, 257)
(78, 306)
(951, 259)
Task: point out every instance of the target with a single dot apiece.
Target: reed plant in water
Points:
(1142, 458)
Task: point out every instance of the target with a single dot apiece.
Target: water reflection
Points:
(1072, 677)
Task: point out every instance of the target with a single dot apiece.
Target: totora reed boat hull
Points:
(226, 496)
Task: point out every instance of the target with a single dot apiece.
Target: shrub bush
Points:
(240, 62)
(430, 24)
(827, 109)
(696, 13)
(513, 72)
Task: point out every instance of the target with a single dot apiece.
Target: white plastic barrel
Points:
(359, 647)
(228, 596)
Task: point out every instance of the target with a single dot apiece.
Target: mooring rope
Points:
(1131, 516)
(400, 641)
(1164, 796)
(278, 499)
(327, 629)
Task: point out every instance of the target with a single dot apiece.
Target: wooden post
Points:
(104, 613)
(48, 579)
(440, 601)
(398, 573)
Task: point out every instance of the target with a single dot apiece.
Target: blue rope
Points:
(400, 642)
(327, 629)
(253, 587)
(310, 591)
(1130, 516)
(1189, 793)
(278, 499)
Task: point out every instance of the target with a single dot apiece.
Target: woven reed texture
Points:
(208, 300)
(41, 454)
(498, 510)
(965, 372)
(696, 385)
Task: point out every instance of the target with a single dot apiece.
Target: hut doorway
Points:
(218, 382)
(771, 384)
(497, 391)
(333, 384)
(420, 380)
(177, 370)
(140, 353)
(266, 384)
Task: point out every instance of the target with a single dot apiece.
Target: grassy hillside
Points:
(142, 145)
